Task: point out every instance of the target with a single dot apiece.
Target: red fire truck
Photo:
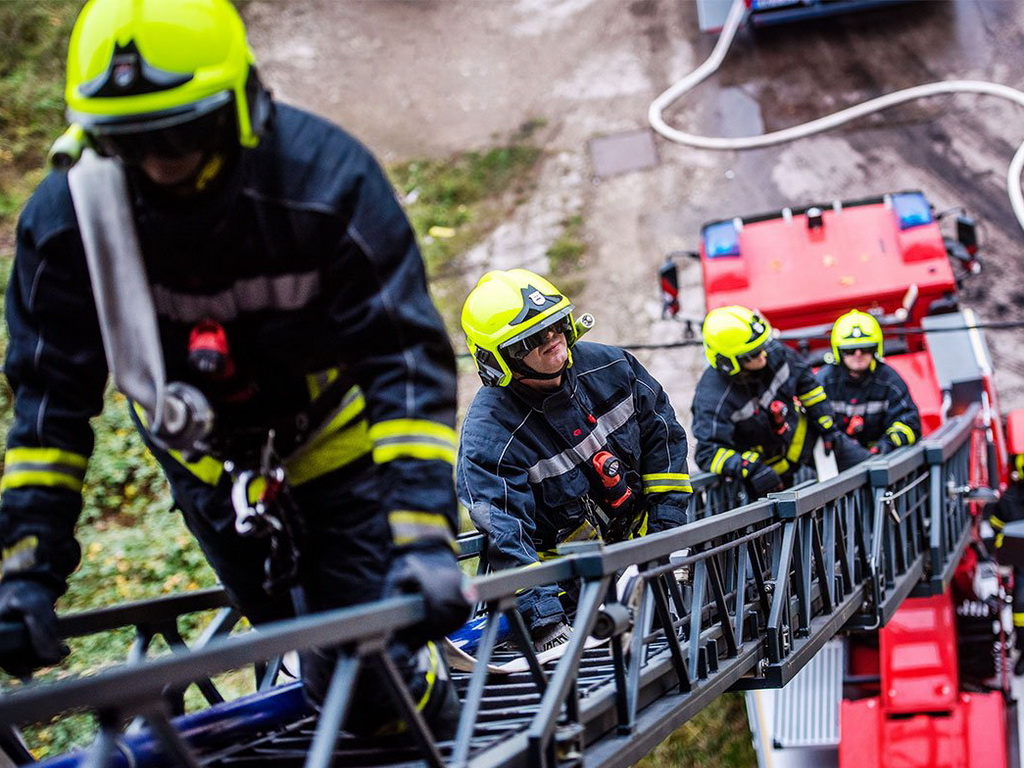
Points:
(933, 686)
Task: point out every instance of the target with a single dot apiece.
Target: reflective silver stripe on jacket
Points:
(860, 409)
(766, 397)
(251, 294)
(561, 463)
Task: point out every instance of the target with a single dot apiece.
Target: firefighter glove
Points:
(763, 479)
(30, 604)
(430, 569)
(849, 452)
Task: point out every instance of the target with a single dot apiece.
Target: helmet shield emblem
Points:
(534, 302)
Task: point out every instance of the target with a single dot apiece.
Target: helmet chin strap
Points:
(526, 372)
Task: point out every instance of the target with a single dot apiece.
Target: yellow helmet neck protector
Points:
(856, 330)
(503, 318)
(733, 334)
(142, 66)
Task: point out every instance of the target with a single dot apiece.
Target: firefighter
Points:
(288, 289)
(1007, 509)
(566, 440)
(758, 409)
(870, 399)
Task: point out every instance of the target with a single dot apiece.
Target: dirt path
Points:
(415, 78)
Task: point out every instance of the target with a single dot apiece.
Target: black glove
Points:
(30, 604)
(431, 570)
(849, 451)
(762, 478)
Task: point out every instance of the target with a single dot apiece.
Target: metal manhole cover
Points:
(623, 152)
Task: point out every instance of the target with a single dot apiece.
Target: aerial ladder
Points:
(765, 585)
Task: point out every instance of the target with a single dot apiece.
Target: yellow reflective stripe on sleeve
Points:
(47, 467)
(412, 439)
(662, 482)
(721, 456)
(900, 434)
(1018, 619)
(995, 522)
(812, 397)
(826, 422)
(779, 464)
(408, 527)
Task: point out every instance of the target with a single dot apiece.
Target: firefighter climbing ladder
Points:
(759, 591)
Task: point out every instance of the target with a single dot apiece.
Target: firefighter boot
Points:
(439, 704)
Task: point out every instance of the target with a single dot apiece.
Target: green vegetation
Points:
(718, 737)
(565, 256)
(33, 41)
(453, 203)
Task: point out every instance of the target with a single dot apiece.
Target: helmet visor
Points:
(168, 136)
(753, 354)
(517, 350)
(851, 351)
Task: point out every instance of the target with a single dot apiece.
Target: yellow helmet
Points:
(856, 330)
(732, 334)
(141, 66)
(502, 317)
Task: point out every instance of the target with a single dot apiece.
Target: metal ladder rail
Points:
(823, 605)
(698, 535)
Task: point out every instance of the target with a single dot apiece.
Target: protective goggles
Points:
(753, 354)
(850, 351)
(170, 137)
(517, 350)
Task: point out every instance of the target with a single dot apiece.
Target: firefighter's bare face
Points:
(550, 357)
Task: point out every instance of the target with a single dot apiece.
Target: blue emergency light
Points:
(721, 239)
(912, 210)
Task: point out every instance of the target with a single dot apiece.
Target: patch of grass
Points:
(566, 254)
(452, 203)
(718, 737)
(445, 199)
(565, 257)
